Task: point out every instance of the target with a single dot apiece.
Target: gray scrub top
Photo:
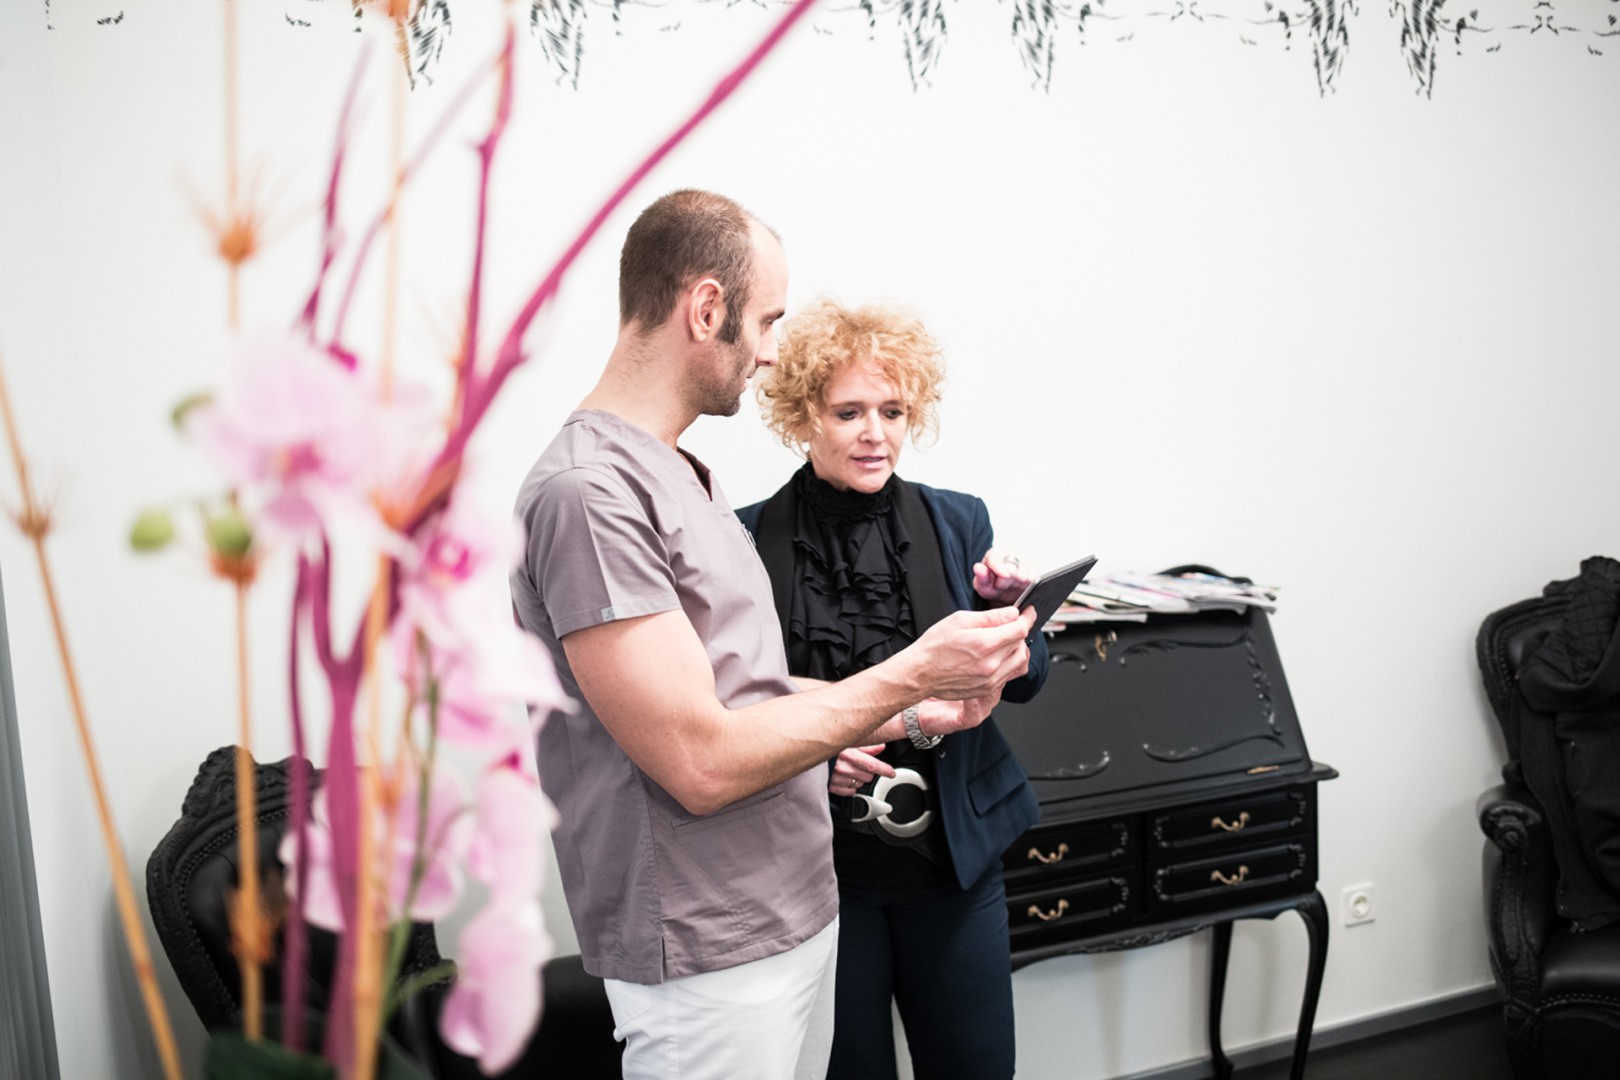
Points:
(619, 526)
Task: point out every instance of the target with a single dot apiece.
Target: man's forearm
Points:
(707, 756)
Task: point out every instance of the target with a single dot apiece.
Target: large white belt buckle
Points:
(877, 807)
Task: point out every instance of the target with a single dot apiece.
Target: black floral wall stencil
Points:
(1042, 31)
(1036, 25)
(1428, 27)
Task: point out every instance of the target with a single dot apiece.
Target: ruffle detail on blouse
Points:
(851, 609)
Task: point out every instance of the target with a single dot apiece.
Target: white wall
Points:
(1360, 344)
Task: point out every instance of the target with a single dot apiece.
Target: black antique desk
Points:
(1176, 795)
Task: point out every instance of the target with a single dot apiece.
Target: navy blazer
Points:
(984, 793)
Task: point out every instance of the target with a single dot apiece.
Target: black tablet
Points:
(1047, 593)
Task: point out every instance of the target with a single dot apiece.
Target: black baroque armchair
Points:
(194, 867)
(1550, 906)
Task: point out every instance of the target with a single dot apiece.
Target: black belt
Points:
(872, 810)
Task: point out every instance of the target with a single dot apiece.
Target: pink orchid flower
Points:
(494, 1005)
(293, 422)
(453, 596)
(482, 695)
(437, 877)
(492, 689)
(507, 849)
(456, 567)
(406, 433)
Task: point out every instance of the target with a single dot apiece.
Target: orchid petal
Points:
(508, 844)
(495, 1004)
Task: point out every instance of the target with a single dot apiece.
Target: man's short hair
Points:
(684, 236)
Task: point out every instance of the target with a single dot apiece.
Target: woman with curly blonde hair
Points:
(861, 563)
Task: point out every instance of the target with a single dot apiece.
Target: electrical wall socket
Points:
(1356, 904)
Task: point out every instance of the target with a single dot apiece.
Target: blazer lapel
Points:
(775, 545)
(925, 566)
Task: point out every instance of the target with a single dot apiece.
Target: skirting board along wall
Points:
(1338, 1035)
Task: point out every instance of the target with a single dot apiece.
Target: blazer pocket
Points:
(996, 782)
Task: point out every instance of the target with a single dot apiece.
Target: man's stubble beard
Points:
(724, 400)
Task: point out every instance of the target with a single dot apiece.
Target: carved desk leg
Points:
(1313, 909)
(1217, 994)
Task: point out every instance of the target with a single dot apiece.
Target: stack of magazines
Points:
(1133, 597)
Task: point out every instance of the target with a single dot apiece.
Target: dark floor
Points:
(1468, 1046)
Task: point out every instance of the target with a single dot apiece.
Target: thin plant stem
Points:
(391, 255)
(247, 920)
(424, 797)
(368, 931)
(248, 913)
(371, 957)
(232, 186)
(35, 525)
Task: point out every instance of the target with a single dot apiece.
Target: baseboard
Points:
(1322, 1038)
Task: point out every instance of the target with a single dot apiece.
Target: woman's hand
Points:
(936, 717)
(854, 768)
(949, 717)
(999, 578)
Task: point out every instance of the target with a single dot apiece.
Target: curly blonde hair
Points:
(824, 339)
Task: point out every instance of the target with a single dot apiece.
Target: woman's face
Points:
(863, 422)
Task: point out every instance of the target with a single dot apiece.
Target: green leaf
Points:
(152, 531)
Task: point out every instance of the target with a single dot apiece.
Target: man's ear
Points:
(706, 309)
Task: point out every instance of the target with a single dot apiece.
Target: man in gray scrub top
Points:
(695, 844)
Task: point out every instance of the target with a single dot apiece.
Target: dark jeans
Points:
(942, 955)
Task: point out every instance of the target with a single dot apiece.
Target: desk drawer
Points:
(1239, 819)
(1054, 851)
(1070, 910)
(1236, 877)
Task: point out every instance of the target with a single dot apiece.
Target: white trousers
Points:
(769, 1019)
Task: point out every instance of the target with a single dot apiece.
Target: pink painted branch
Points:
(343, 814)
(342, 797)
(320, 607)
(481, 391)
(329, 232)
(486, 160)
(343, 678)
(437, 132)
(295, 933)
(344, 674)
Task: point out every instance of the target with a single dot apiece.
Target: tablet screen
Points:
(1047, 594)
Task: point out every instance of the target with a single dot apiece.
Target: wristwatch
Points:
(914, 731)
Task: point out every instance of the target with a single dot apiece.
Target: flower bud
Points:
(182, 409)
(152, 531)
(229, 534)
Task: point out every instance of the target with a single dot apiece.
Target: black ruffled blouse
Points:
(851, 608)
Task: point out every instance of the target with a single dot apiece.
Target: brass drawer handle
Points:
(1058, 912)
(1235, 879)
(1236, 826)
(1055, 857)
